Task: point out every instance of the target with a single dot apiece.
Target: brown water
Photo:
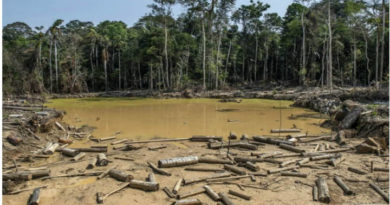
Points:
(145, 118)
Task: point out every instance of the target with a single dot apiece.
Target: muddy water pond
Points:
(145, 118)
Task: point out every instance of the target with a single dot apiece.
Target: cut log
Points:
(35, 196)
(92, 162)
(241, 195)
(251, 166)
(157, 170)
(151, 177)
(14, 140)
(188, 202)
(291, 148)
(315, 193)
(316, 139)
(78, 157)
(124, 158)
(288, 155)
(159, 140)
(200, 138)
(178, 161)
(225, 199)
(107, 138)
(91, 149)
(234, 169)
(303, 161)
(60, 126)
(102, 159)
(342, 185)
(285, 130)
(247, 159)
(200, 179)
(157, 147)
(323, 190)
(191, 193)
(50, 148)
(282, 169)
(120, 175)
(211, 193)
(325, 156)
(26, 175)
(168, 192)
(357, 171)
(204, 169)
(146, 186)
(380, 192)
(286, 163)
(294, 174)
(214, 161)
(177, 186)
(69, 152)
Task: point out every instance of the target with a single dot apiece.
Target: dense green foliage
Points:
(211, 46)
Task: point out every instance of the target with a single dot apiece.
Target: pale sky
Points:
(45, 12)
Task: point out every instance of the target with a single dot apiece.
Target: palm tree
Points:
(55, 33)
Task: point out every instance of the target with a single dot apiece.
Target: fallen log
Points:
(101, 197)
(91, 149)
(178, 161)
(35, 196)
(357, 171)
(200, 138)
(225, 199)
(379, 169)
(214, 161)
(23, 190)
(350, 119)
(124, 158)
(50, 148)
(107, 138)
(265, 155)
(200, 179)
(234, 169)
(315, 193)
(120, 175)
(168, 192)
(241, 195)
(272, 161)
(119, 142)
(26, 175)
(316, 139)
(382, 179)
(88, 174)
(251, 166)
(146, 186)
(303, 161)
(92, 162)
(177, 186)
(102, 159)
(335, 161)
(323, 190)
(159, 140)
(284, 164)
(157, 170)
(285, 130)
(282, 169)
(294, 174)
(342, 185)
(211, 193)
(188, 202)
(291, 148)
(204, 169)
(151, 177)
(69, 152)
(326, 156)
(78, 156)
(288, 155)
(100, 146)
(380, 191)
(247, 159)
(272, 140)
(157, 147)
(191, 193)
(224, 179)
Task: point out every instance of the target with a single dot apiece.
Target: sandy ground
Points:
(281, 189)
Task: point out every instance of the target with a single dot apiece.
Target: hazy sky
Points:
(45, 12)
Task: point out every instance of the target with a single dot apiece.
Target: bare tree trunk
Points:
(119, 67)
(323, 64)
(166, 51)
(354, 61)
(217, 64)
(150, 77)
(139, 75)
(255, 69)
(204, 56)
(382, 41)
(105, 68)
(302, 71)
(50, 69)
(265, 61)
(376, 60)
(92, 69)
(367, 59)
(227, 60)
(330, 50)
(56, 63)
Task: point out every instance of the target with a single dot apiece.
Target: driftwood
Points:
(200, 138)
(157, 147)
(323, 190)
(69, 152)
(357, 171)
(159, 140)
(168, 192)
(103, 174)
(120, 175)
(214, 161)
(272, 161)
(119, 142)
(100, 146)
(380, 192)
(284, 164)
(382, 179)
(35, 196)
(101, 197)
(266, 155)
(335, 161)
(188, 202)
(50, 148)
(272, 140)
(379, 169)
(92, 162)
(225, 199)
(107, 138)
(78, 157)
(326, 156)
(177, 186)
(291, 148)
(244, 145)
(224, 179)
(204, 169)
(60, 126)
(241, 195)
(303, 161)
(200, 179)
(251, 166)
(102, 159)
(234, 169)
(281, 169)
(88, 174)
(285, 130)
(26, 175)
(146, 186)
(158, 170)
(211, 193)
(316, 139)
(247, 159)
(294, 174)
(178, 161)
(342, 185)
(91, 149)
(191, 193)
(124, 158)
